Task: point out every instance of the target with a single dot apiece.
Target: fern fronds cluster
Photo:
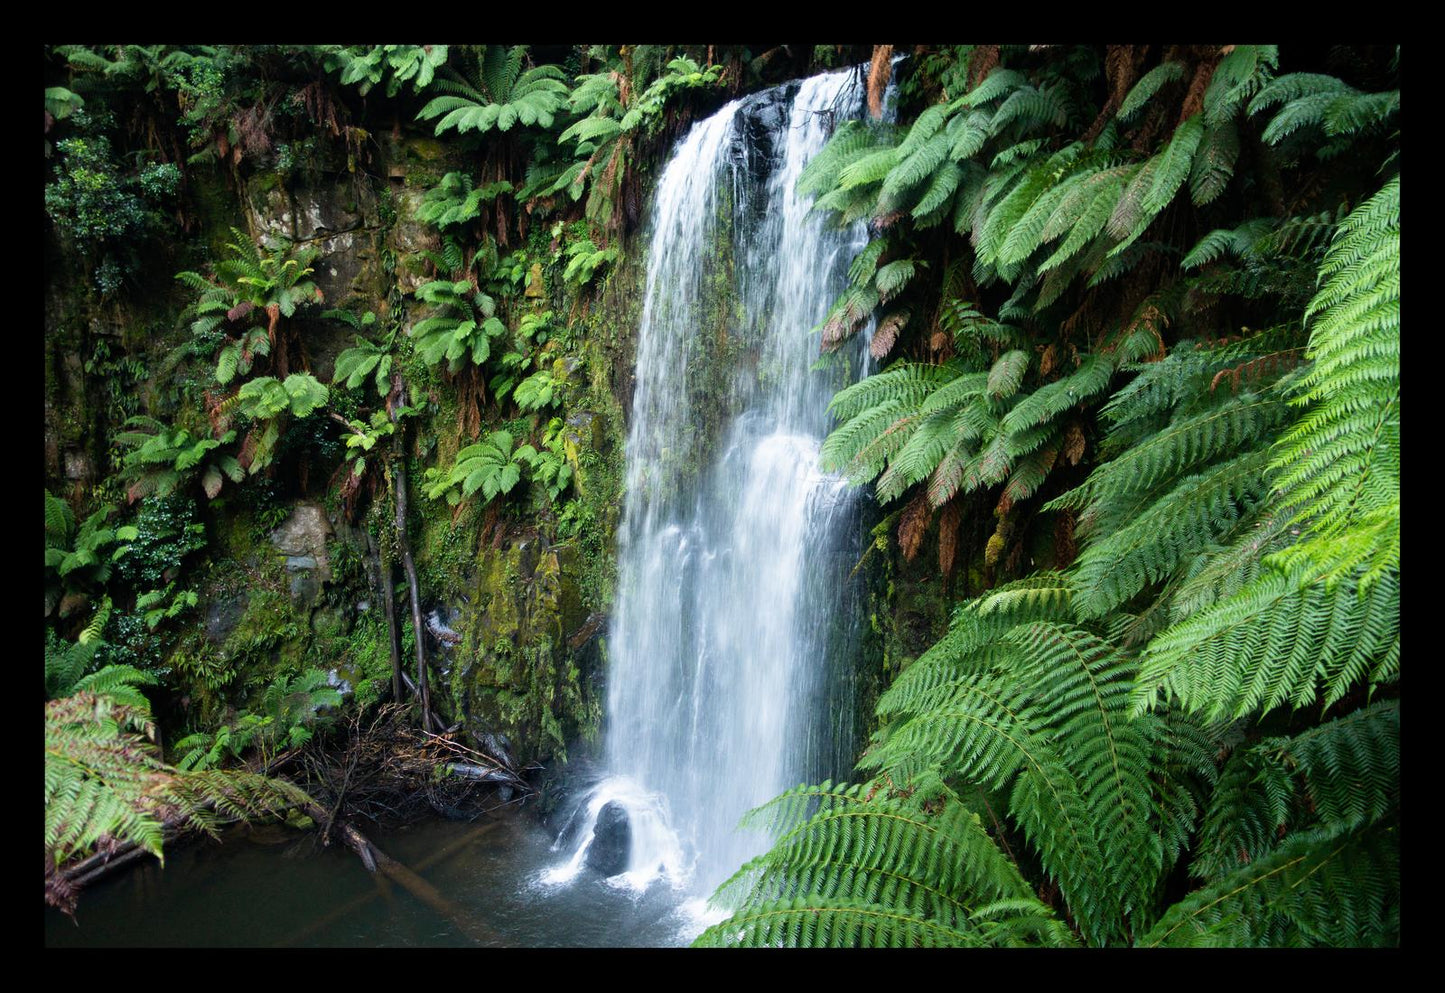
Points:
(492, 466)
(1341, 462)
(163, 458)
(397, 64)
(880, 867)
(1237, 569)
(499, 95)
(463, 329)
(104, 781)
(615, 108)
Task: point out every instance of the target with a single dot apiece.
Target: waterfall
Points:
(735, 621)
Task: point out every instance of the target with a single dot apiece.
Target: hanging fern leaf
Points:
(1237, 78)
(1276, 643)
(1148, 85)
(1327, 887)
(1343, 459)
(1214, 163)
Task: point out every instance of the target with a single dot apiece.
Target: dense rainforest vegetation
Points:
(338, 366)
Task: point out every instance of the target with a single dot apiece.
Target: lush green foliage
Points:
(1117, 727)
(79, 555)
(289, 710)
(464, 329)
(162, 458)
(616, 112)
(1141, 303)
(398, 64)
(106, 205)
(499, 94)
(492, 466)
(250, 282)
(104, 780)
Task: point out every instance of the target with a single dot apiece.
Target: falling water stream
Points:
(731, 638)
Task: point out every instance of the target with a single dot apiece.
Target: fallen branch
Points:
(351, 906)
(376, 860)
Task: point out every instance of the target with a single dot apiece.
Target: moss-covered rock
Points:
(516, 680)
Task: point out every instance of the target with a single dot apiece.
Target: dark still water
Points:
(273, 888)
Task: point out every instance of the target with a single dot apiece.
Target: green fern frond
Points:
(872, 167)
(1238, 77)
(912, 866)
(1048, 402)
(1278, 642)
(1148, 85)
(998, 82)
(1342, 460)
(1097, 200)
(1175, 163)
(849, 142)
(1154, 536)
(1293, 86)
(1253, 800)
(1355, 114)
(989, 709)
(1369, 547)
(1218, 573)
(1241, 423)
(59, 520)
(1327, 887)
(810, 923)
(1214, 161)
(1352, 764)
(1029, 107)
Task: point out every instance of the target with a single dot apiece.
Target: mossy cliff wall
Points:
(516, 592)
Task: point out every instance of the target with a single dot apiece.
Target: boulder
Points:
(222, 616)
(305, 590)
(302, 539)
(611, 847)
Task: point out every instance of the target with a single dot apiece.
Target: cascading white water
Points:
(734, 608)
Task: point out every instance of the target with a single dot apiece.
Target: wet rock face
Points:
(222, 616)
(336, 218)
(409, 238)
(513, 674)
(339, 216)
(611, 847)
(302, 539)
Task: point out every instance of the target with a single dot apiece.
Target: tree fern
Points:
(1331, 886)
(1040, 708)
(1239, 424)
(104, 781)
(1175, 163)
(1149, 84)
(398, 64)
(1243, 71)
(1121, 719)
(884, 868)
(491, 466)
(1277, 642)
(1342, 460)
(500, 96)
(1086, 212)
(1214, 162)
